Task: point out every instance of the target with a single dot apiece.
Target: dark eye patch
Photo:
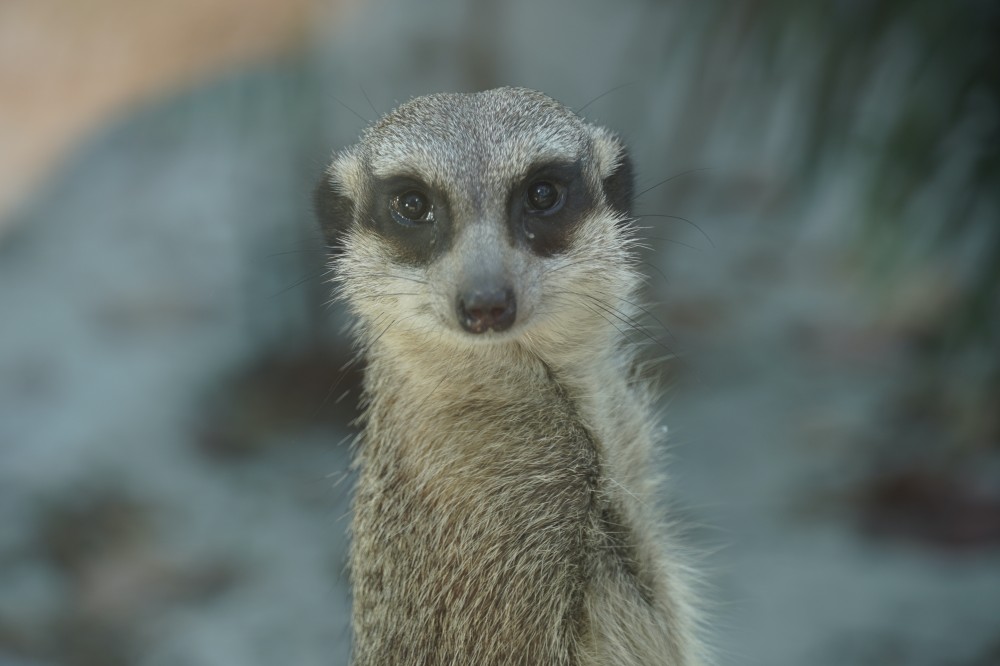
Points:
(411, 217)
(546, 207)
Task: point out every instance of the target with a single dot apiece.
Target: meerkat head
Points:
(496, 217)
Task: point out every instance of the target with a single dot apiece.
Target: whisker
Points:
(667, 180)
(658, 270)
(682, 219)
(603, 94)
(603, 315)
(369, 274)
(383, 296)
(616, 327)
(621, 316)
(560, 267)
(368, 99)
(645, 310)
(366, 121)
(350, 364)
(297, 283)
(675, 242)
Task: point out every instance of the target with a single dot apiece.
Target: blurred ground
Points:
(173, 477)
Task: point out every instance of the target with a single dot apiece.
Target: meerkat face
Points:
(483, 217)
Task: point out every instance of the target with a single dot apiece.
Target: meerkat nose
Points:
(482, 309)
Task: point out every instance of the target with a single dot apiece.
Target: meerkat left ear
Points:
(334, 210)
(616, 169)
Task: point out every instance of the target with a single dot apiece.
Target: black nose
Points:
(483, 309)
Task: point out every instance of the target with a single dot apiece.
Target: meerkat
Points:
(505, 508)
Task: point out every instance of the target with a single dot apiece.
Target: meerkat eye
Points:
(544, 197)
(411, 207)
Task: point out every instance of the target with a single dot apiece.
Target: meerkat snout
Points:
(490, 305)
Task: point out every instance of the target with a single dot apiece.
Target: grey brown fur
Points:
(505, 511)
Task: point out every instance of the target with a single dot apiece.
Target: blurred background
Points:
(820, 197)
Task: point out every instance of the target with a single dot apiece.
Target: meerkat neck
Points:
(505, 502)
(484, 521)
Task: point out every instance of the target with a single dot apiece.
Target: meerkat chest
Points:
(473, 539)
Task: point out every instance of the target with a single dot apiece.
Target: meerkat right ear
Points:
(616, 166)
(334, 210)
(619, 187)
